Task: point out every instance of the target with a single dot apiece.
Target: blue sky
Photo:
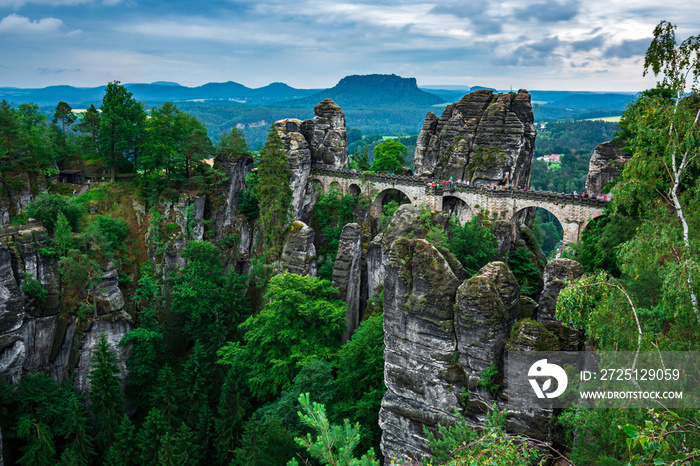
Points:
(595, 45)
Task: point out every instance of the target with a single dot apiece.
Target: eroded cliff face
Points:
(320, 140)
(419, 334)
(17, 190)
(484, 137)
(605, 165)
(442, 331)
(50, 338)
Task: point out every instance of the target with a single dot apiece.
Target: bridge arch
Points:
(317, 185)
(389, 194)
(335, 186)
(455, 205)
(354, 189)
(573, 223)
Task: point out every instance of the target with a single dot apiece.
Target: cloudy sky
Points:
(593, 45)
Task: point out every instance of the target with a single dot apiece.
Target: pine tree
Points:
(228, 423)
(80, 450)
(274, 192)
(123, 451)
(40, 447)
(151, 436)
(167, 397)
(105, 396)
(63, 234)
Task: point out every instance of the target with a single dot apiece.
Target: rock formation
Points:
(420, 340)
(605, 165)
(555, 273)
(442, 331)
(485, 137)
(320, 140)
(299, 252)
(235, 171)
(46, 338)
(347, 274)
(406, 221)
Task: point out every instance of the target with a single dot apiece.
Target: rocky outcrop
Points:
(299, 158)
(347, 274)
(440, 335)
(47, 338)
(555, 274)
(485, 137)
(486, 306)
(235, 171)
(326, 135)
(420, 368)
(605, 165)
(320, 140)
(170, 230)
(17, 191)
(299, 252)
(406, 221)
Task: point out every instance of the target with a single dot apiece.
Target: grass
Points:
(553, 166)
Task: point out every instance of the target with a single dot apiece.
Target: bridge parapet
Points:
(573, 213)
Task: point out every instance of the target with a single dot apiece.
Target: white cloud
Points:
(19, 3)
(21, 25)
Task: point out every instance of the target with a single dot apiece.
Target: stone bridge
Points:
(574, 214)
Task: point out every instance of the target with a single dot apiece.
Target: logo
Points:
(543, 369)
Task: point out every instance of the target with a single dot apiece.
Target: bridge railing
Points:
(446, 188)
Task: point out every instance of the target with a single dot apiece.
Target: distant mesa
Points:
(372, 90)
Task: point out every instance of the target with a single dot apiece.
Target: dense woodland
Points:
(230, 368)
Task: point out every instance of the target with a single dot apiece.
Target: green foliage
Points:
(145, 346)
(360, 381)
(668, 438)
(33, 289)
(264, 443)
(315, 378)
(597, 249)
(122, 452)
(40, 447)
(46, 209)
(174, 141)
(389, 156)
(547, 230)
(63, 234)
(359, 160)
(105, 396)
(121, 126)
(490, 378)
(274, 192)
(230, 415)
(331, 213)
(472, 244)
(525, 271)
(248, 203)
(334, 444)
(300, 322)
(461, 444)
(388, 211)
(114, 230)
(594, 436)
(79, 270)
(212, 302)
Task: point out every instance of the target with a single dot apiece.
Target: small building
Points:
(69, 176)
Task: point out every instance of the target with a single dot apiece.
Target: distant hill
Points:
(371, 91)
(155, 93)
